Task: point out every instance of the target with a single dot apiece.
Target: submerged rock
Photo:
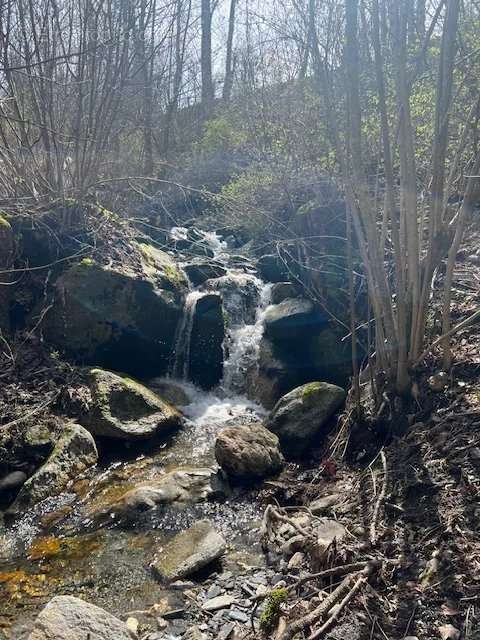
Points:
(117, 316)
(299, 418)
(189, 552)
(180, 486)
(124, 409)
(292, 318)
(248, 452)
(64, 449)
(69, 618)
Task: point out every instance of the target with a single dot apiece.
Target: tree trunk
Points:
(206, 62)
(229, 67)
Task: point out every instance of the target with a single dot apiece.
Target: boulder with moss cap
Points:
(300, 417)
(124, 409)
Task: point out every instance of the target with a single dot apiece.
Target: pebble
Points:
(220, 602)
(181, 585)
(238, 616)
(276, 578)
(214, 591)
(132, 626)
(226, 631)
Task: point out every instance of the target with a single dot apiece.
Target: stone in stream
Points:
(124, 409)
(283, 290)
(69, 618)
(272, 268)
(121, 316)
(206, 342)
(189, 552)
(178, 486)
(199, 272)
(248, 452)
(300, 418)
(60, 451)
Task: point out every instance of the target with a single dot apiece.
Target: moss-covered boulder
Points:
(300, 419)
(116, 316)
(189, 552)
(53, 452)
(124, 409)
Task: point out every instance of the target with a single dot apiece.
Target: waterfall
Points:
(181, 363)
(244, 347)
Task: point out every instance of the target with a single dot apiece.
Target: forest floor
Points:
(415, 508)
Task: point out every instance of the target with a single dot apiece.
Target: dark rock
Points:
(69, 618)
(272, 268)
(169, 391)
(200, 272)
(240, 295)
(12, 481)
(189, 552)
(300, 418)
(248, 452)
(194, 247)
(292, 318)
(124, 409)
(208, 333)
(283, 290)
(117, 317)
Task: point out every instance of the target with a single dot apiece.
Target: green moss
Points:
(174, 275)
(310, 390)
(87, 262)
(271, 613)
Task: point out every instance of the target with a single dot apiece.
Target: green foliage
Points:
(220, 134)
(271, 613)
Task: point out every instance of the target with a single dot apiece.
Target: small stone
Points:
(181, 585)
(238, 616)
(449, 632)
(296, 561)
(214, 591)
(132, 626)
(219, 602)
(161, 623)
(323, 504)
(277, 577)
(226, 631)
(261, 591)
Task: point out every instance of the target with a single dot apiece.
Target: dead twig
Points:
(380, 500)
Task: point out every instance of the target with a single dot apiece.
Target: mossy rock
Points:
(116, 317)
(301, 417)
(124, 409)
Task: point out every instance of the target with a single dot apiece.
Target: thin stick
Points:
(380, 500)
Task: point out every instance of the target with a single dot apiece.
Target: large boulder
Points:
(283, 290)
(181, 486)
(240, 294)
(124, 409)
(206, 342)
(119, 316)
(69, 618)
(248, 452)
(292, 318)
(189, 552)
(300, 418)
(55, 452)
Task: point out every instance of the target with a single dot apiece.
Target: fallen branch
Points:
(380, 500)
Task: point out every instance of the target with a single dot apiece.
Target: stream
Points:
(57, 548)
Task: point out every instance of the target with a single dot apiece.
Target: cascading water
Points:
(181, 363)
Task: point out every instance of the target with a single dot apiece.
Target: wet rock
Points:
(200, 272)
(248, 452)
(292, 318)
(240, 295)
(124, 409)
(220, 602)
(69, 618)
(169, 391)
(283, 290)
(206, 342)
(189, 552)
(12, 481)
(71, 449)
(178, 486)
(301, 416)
(117, 316)
(272, 268)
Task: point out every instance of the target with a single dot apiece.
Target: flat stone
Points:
(328, 531)
(220, 602)
(238, 616)
(69, 618)
(214, 591)
(325, 503)
(226, 631)
(189, 551)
